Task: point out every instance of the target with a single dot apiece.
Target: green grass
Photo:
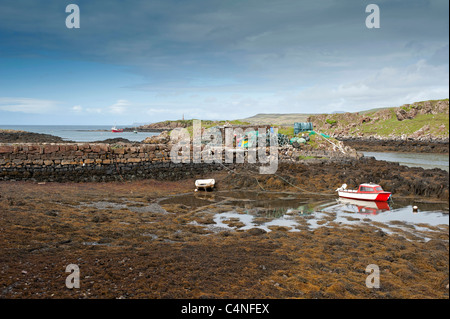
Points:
(383, 121)
(386, 125)
(393, 126)
(301, 157)
(286, 130)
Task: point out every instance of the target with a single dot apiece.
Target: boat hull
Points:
(205, 184)
(366, 207)
(381, 197)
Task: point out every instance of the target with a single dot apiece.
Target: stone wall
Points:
(94, 162)
(82, 162)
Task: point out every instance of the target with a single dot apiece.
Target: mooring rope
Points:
(305, 191)
(282, 178)
(244, 174)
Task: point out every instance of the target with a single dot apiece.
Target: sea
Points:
(425, 160)
(81, 133)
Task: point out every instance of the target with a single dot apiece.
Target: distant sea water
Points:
(80, 133)
(425, 160)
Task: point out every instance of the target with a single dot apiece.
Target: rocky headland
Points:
(13, 136)
(160, 126)
(417, 127)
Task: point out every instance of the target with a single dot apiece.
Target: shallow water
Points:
(245, 210)
(80, 133)
(431, 214)
(425, 160)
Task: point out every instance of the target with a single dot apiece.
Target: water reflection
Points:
(244, 209)
(364, 207)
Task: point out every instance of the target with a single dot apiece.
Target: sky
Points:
(144, 61)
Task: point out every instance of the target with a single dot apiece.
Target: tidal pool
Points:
(237, 210)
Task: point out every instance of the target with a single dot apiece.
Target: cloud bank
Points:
(231, 59)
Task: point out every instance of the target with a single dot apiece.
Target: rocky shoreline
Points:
(375, 144)
(370, 143)
(324, 176)
(317, 173)
(12, 136)
(323, 167)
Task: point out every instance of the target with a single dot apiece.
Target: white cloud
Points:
(28, 105)
(77, 108)
(119, 107)
(389, 86)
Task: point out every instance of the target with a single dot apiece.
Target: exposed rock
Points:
(256, 231)
(365, 119)
(114, 140)
(421, 131)
(12, 136)
(162, 138)
(358, 126)
(423, 144)
(162, 126)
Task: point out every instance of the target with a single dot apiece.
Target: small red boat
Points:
(373, 192)
(116, 130)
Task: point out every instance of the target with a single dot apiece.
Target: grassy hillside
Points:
(414, 120)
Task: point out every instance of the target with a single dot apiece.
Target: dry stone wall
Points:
(94, 162)
(84, 162)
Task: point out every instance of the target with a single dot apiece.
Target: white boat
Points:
(205, 184)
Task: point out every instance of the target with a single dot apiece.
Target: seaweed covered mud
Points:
(254, 236)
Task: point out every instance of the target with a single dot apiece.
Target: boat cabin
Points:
(370, 188)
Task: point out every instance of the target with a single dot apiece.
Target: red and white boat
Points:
(116, 130)
(373, 192)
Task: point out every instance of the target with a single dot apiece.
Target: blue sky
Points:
(147, 61)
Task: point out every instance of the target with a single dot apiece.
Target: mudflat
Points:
(135, 240)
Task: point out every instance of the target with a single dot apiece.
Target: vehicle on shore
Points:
(368, 191)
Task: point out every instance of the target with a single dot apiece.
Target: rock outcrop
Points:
(383, 126)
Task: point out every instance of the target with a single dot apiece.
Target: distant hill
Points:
(425, 119)
(287, 119)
